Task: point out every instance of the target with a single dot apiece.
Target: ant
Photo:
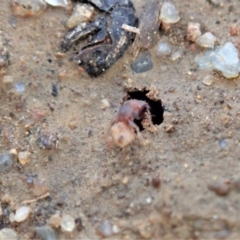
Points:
(123, 129)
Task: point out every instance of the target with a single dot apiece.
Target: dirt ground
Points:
(195, 149)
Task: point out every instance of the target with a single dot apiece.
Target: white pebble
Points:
(169, 13)
(148, 199)
(58, 3)
(207, 40)
(67, 223)
(105, 103)
(164, 49)
(208, 80)
(193, 31)
(115, 229)
(176, 55)
(22, 213)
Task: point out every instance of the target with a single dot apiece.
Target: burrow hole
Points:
(156, 108)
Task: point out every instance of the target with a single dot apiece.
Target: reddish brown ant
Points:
(123, 129)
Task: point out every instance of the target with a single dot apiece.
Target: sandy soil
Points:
(195, 148)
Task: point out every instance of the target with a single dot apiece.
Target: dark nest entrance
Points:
(156, 108)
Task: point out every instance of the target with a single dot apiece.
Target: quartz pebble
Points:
(6, 162)
(143, 63)
(26, 8)
(81, 13)
(207, 40)
(208, 80)
(67, 223)
(163, 49)
(19, 88)
(22, 213)
(45, 233)
(8, 234)
(58, 3)
(224, 59)
(23, 157)
(105, 103)
(105, 229)
(169, 13)
(193, 31)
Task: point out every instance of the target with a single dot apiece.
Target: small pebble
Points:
(81, 13)
(7, 79)
(115, 229)
(105, 229)
(54, 90)
(169, 13)
(208, 80)
(164, 49)
(58, 3)
(55, 221)
(19, 88)
(220, 188)
(73, 124)
(105, 103)
(143, 63)
(26, 8)
(22, 213)
(222, 143)
(24, 157)
(6, 162)
(234, 30)
(67, 223)
(207, 40)
(176, 55)
(224, 59)
(8, 234)
(145, 231)
(193, 31)
(148, 199)
(45, 233)
(12, 217)
(156, 182)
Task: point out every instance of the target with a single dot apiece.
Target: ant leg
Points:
(139, 135)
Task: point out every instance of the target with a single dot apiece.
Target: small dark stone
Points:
(79, 225)
(143, 63)
(220, 188)
(90, 133)
(54, 90)
(6, 162)
(156, 182)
